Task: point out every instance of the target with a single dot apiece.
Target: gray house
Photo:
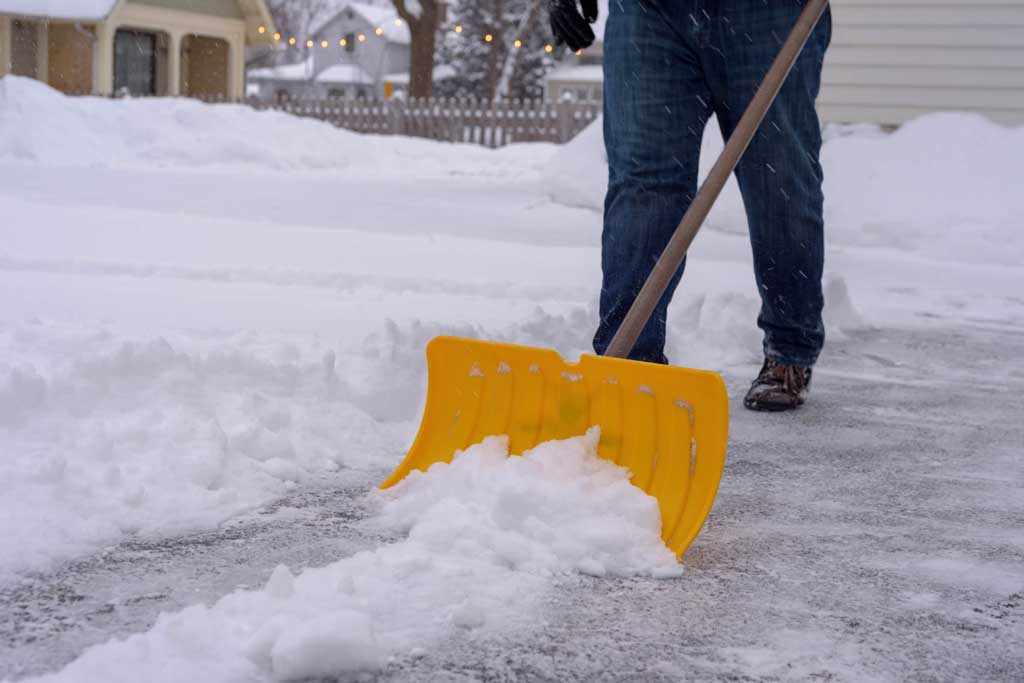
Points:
(889, 62)
(361, 52)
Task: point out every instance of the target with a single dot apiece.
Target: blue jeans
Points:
(668, 66)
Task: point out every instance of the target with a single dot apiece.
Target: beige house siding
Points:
(892, 61)
(201, 45)
(70, 58)
(5, 45)
(205, 65)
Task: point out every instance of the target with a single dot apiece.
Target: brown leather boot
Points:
(778, 387)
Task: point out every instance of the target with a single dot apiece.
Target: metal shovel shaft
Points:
(672, 257)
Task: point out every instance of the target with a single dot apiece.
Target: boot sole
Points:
(771, 407)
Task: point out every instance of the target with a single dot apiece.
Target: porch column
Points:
(5, 45)
(174, 64)
(236, 67)
(103, 60)
(43, 52)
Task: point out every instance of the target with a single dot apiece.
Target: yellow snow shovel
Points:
(667, 425)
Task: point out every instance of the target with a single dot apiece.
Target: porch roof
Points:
(255, 12)
(69, 10)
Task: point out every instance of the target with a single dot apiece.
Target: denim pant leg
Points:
(780, 175)
(656, 105)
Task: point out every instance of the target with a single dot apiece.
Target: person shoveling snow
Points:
(668, 68)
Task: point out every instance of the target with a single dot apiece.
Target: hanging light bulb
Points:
(309, 43)
(518, 43)
(458, 28)
(323, 43)
(488, 37)
(291, 41)
(548, 48)
(379, 31)
(277, 36)
(362, 37)
(343, 42)
(262, 29)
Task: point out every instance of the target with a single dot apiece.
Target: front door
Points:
(135, 62)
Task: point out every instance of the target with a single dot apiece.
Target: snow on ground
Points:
(205, 308)
(482, 535)
(943, 186)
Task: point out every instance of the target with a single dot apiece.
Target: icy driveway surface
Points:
(876, 535)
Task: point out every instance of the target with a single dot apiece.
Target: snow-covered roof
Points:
(255, 12)
(344, 73)
(301, 71)
(587, 73)
(86, 10)
(384, 18)
(441, 72)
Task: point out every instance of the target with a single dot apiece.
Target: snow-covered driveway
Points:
(211, 333)
(874, 537)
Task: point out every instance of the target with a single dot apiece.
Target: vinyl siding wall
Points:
(892, 61)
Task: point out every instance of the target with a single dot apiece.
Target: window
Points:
(350, 42)
(25, 49)
(336, 93)
(135, 62)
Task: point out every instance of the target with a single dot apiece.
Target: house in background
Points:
(374, 39)
(360, 52)
(349, 57)
(890, 62)
(288, 81)
(579, 78)
(140, 47)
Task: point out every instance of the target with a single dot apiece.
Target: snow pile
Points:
(557, 506)
(943, 186)
(40, 125)
(146, 438)
(483, 534)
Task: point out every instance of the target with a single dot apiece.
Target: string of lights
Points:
(379, 31)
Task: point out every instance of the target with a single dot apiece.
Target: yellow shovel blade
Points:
(667, 425)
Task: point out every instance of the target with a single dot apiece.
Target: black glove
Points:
(568, 25)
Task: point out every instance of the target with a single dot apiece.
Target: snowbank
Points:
(483, 534)
(146, 438)
(40, 125)
(944, 186)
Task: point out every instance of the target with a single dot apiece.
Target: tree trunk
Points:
(423, 34)
(512, 52)
(493, 68)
